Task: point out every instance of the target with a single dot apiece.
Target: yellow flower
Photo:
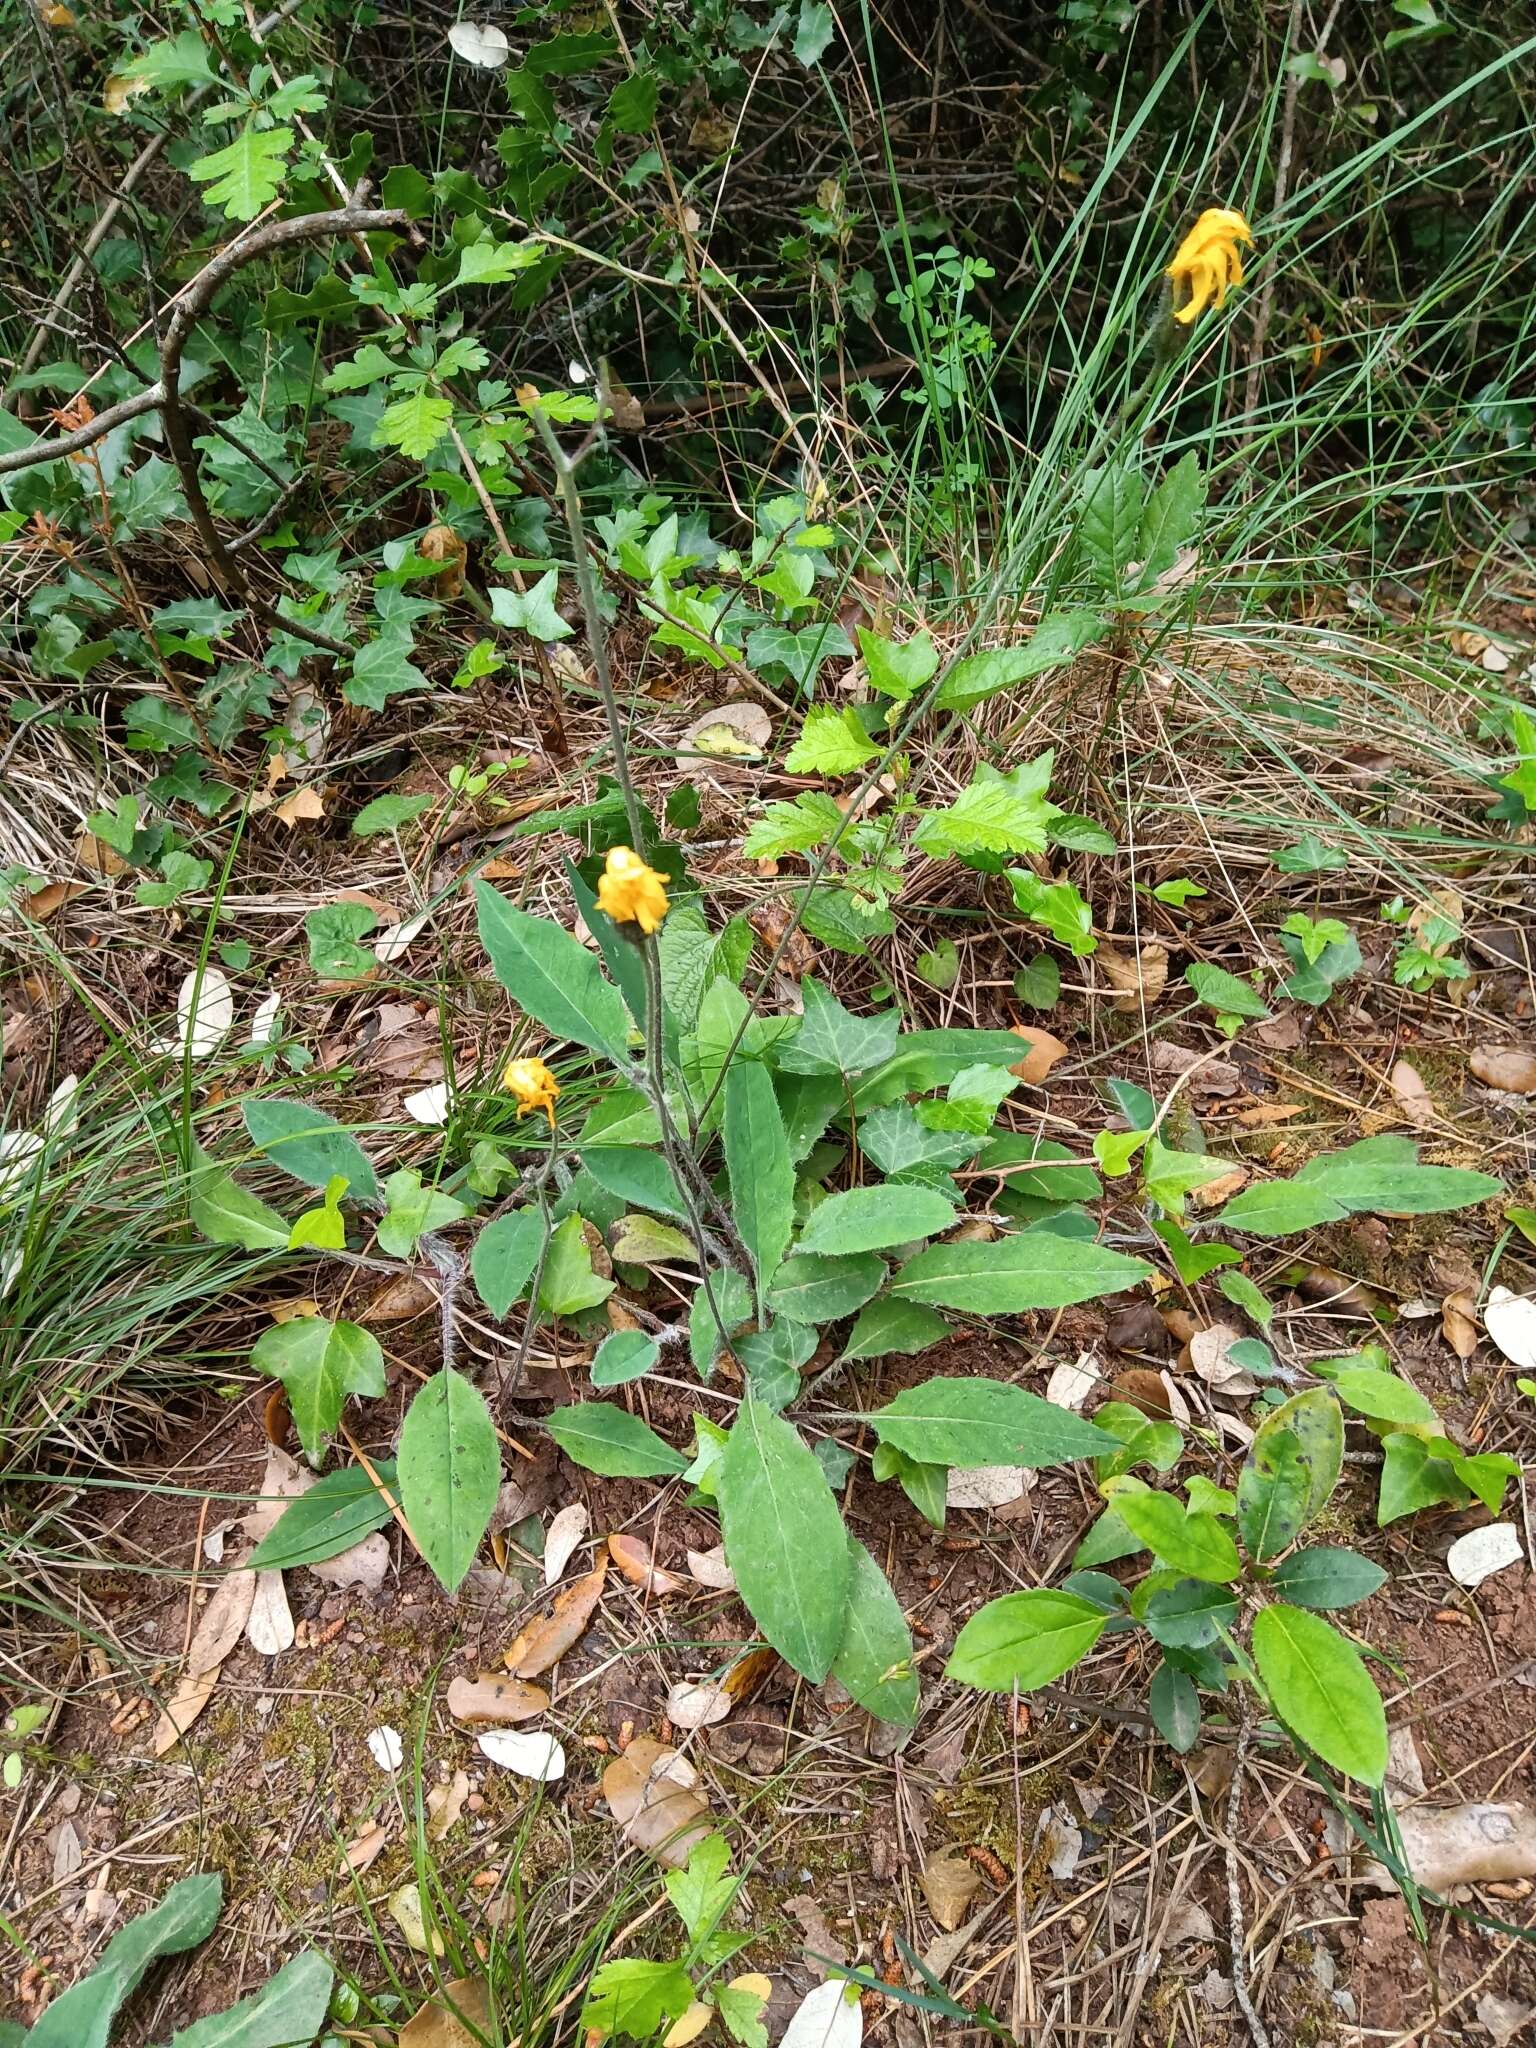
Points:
(1206, 263)
(534, 1086)
(630, 892)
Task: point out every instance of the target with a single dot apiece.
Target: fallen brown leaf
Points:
(1215, 1192)
(97, 857)
(1212, 1077)
(363, 1848)
(1264, 1113)
(650, 1792)
(398, 1300)
(1413, 1097)
(442, 545)
(305, 803)
(445, 1805)
(1044, 1051)
(488, 1699)
(222, 1622)
(747, 1677)
(545, 1642)
(1509, 1068)
(51, 898)
(634, 1560)
(710, 1569)
(1458, 1322)
(183, 1707)
(949, 1884)
(698, 1706)
(459, 2016)
(1141, 976)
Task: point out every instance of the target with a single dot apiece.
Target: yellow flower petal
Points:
(630, 892)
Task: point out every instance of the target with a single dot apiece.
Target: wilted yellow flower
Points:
(534, 1086)
(630, 892)
(1206, 263)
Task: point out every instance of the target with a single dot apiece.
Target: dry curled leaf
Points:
(541, 1646)
(1458, 1322)
(305, 804)
(1510, 1320)
(1413, 1097)
(698, 1705)
(563, 1538)
(1044, 1051)
(1208, 1351)
(405, 1909)
(533, 1754)
(710, 1569)
(269, 1627)
(183, 1707)
(458, 2016)
(1220, 1190)
(949, 1884)
(222, 1622)
(364, 1848)
(445, 1805)
(1509, 1068)
(442, 545)
(732, 732)
(1140, 976)
(1070, 1384)
(397, 1301)
(1482, 1552)
(633, 1559)
(651, 1793)
(490, 1699)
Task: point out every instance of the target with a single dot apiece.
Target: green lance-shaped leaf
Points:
(450, 1473)
(784, 1539)
(1319, 1686)
(762, 1174)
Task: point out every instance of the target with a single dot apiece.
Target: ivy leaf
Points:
(830, 743)
(382, 668)
(898, 670)
(333, 931)
(413, 1211)
(246, 176)
(533, 610)
(320, 1363)
(832, 1040)
(800, 651)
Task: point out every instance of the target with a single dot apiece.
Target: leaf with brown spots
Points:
(540, 1647)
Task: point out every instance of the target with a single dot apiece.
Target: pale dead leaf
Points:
(1266, 1113)
(399, 1300)
(710, 1569)
(1213, 1077)
(633, 1559)
(532, 1754)
(732, 732)
(698, 1705)
(269, 1629)
(1458, 1322)
(445, 1805)
(824, 2018)
(386, 1748)
(222, 1622)
(480, 43)
(545, 1641)
(428, 1105)
(1413, 1097)
(949, 1884)
(405, 1910)
(205, 1010)
(986, 1486)
(1510, 1320)
(490, 1699)
(1482, 1552)
(1208, 1351)
(1070, 1385)
(391, 944)
(563, 1539)
(1044, 1051)
(1509, 1068)
(1140, 976)
(1063, 1840)
(1478, 1843)
(1505, 2018)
